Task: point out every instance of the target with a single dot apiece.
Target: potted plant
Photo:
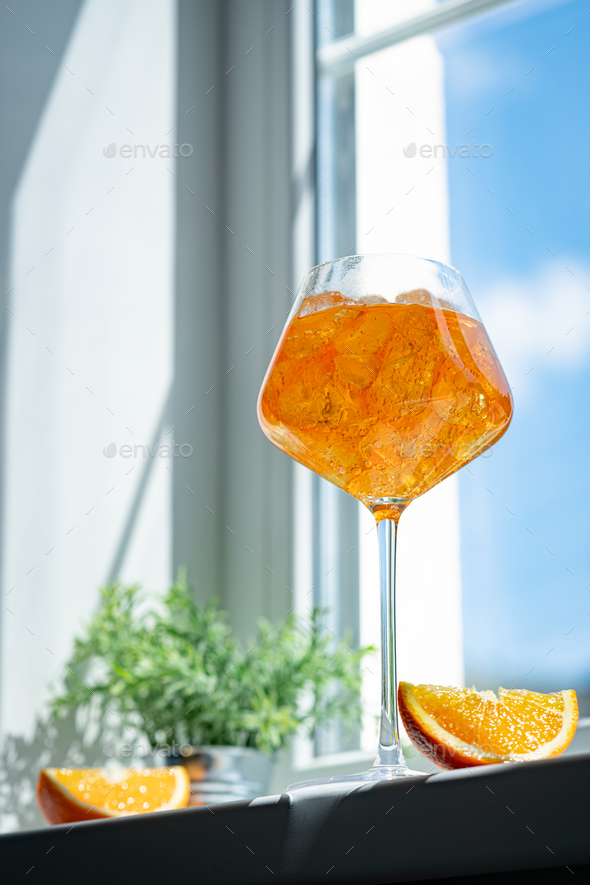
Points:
(169, 671)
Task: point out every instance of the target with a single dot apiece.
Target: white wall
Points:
(90, 342)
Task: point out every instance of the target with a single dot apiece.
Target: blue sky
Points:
(526, 576)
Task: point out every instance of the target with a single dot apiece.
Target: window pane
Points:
(517, 82)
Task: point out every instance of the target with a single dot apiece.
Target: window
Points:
(467, 148)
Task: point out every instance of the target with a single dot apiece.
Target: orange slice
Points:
(66, 795)
(462, 727)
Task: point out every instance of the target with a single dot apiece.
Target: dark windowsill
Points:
(496, 820)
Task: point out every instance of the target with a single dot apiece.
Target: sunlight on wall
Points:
(90, 342)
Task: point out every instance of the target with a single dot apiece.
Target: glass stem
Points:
(390, 750)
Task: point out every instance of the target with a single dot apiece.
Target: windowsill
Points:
(398, 834)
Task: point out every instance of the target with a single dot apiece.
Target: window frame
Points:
(335, 62)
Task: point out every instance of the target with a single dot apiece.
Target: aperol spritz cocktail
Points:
(384, 400)
(385, 382)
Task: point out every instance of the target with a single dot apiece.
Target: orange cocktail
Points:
(385, 399)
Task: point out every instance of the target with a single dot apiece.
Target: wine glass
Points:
(384, 382)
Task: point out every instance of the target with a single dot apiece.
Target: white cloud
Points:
(474, 72)
(541, 321)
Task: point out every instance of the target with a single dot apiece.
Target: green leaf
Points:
(173, 668)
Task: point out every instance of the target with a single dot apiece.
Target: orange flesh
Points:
(461, 727)
(517, 721)
(133, 792)
(385, 400)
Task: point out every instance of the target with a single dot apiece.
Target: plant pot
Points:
(224, 774)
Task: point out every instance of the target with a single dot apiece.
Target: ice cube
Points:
(409, 378)
(357, 372)
(326, 300)
(382, 444)
(311, 398)
(368, 334)
(422, 296)
(478, 345)
(308, 334)
(323, 301)
(284, 374)
(331, 450)
(415, 296)
(371, 299)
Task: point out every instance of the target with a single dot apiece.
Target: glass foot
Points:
(364, 779)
